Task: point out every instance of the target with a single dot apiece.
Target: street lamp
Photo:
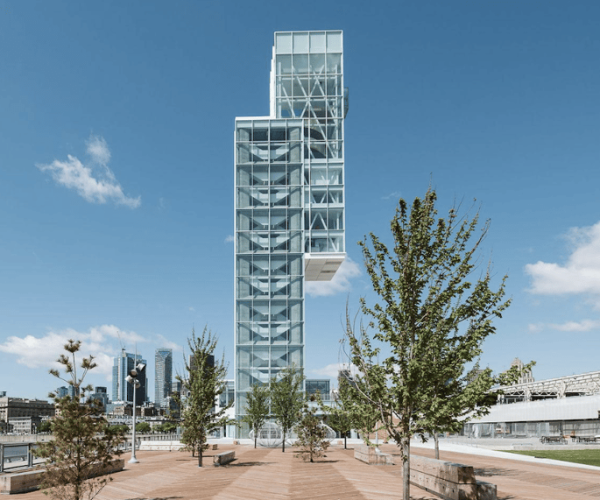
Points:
(132, 378)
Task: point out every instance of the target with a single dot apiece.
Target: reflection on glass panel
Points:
(334, 63)
(295, 356)
(244, 355)
(244, 134)
(334, 42)
(296, 336)
(317, 63)
(300, 63)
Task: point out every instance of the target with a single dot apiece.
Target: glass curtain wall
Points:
(289, 200)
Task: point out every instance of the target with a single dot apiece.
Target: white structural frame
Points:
(289, 204)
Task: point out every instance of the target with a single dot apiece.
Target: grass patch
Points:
(587, 457)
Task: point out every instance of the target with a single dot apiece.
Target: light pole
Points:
(132, 378)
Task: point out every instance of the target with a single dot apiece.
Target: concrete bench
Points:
(449, 480)
(372, 455)
(223, 458)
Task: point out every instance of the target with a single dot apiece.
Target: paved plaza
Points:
(266, 473)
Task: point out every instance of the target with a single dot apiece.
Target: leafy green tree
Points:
(340, 416)
(83, 444)
(287, 399)
(143, 427)
(45, 426)
(312, 433)
(204, 381)
(432, 319)
(120, 428)
(257, 409)
(166, 427)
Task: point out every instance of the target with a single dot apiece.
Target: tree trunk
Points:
(436, 440)
(255, 438)
(200, 456)
(406, 468)
(283, 443)
(345, 435)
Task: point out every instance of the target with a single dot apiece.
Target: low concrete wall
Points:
(449, 480)
(21, 482)
(371, 455)
(160, 446)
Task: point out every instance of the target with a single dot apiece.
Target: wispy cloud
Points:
(333, 369)
(585, 325)
(42, 352)
(229, 238)
(581, 272)
(165, 342)
(394, 194)
(93, 181)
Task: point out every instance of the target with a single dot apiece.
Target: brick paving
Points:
(269, 474)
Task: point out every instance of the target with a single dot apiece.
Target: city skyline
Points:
(116, 199)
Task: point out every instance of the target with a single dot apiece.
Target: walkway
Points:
(269, 474)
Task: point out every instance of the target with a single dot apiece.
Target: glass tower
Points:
(289, 204)
(163, 359)
(121, 389)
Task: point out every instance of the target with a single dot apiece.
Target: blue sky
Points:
(116, 166)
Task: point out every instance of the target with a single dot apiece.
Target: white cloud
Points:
(581, 272)
(165, 342)
(333, 369)
(42, 352)
(585, 325)
(229, 239)
(395, 195)
(339, 283)
(94, 182)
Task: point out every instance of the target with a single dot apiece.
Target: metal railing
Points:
(17, 455)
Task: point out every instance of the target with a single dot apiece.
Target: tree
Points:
(204, 381)
(143, 427)
(45, 426)
(431, 320)
(342, 416)
(311, 433)
(257, 409)
(83, 444)
(287, 399)
(167, 427)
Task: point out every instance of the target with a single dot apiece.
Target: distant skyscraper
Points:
(121, 389)
(163, 376)
(289, 204)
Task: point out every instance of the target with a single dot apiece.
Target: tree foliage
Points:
(257, 409)
(203, 381)
(287, 399)
(83, 444)
(312, 434)
(431, 318)
(143, 427)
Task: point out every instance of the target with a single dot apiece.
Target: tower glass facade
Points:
(163, 375)
(121, 389)
(289, 204)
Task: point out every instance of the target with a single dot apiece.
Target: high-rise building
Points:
(121, 389)
(289, 203)
(163, 376)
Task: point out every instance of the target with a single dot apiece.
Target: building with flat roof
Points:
(121, 389)
(20, 407)
(289, 204)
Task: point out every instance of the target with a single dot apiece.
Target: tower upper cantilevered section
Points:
(289, 203)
